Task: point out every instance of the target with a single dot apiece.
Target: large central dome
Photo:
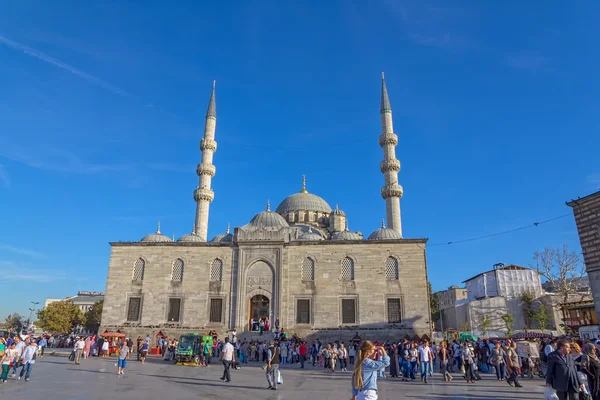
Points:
(303, 201)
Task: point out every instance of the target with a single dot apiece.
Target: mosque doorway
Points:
(258, 308)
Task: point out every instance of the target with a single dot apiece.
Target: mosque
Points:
(298, 264)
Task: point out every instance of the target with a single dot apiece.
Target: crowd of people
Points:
(570, 368)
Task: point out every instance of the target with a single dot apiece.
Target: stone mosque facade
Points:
(298, 263)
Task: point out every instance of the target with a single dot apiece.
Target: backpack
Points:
(543, 356)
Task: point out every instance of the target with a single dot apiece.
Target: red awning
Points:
(112, 334)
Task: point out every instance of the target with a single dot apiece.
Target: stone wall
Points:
(280, 267)
(587, 218)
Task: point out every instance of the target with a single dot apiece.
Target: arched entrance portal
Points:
(258, 308)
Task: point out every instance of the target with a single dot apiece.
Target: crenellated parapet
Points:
(208, 144)
(392, 190)
(204, 195)
(206, 169)
(389, 165)
(387, 139)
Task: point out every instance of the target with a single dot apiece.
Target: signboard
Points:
(526, 349)
(90, 293)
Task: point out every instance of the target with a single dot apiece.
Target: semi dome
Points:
(268, 220)
(384, 233)
(223, 237)
(303, 201)
(310, 235)
(191, 238)
(156, 237)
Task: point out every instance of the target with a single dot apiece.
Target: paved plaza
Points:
(54, 378)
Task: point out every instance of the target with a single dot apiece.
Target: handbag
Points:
(550, 394)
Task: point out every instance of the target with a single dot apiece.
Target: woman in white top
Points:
(9, 357)
(105, 348)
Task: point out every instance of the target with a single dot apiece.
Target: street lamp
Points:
(31, 310)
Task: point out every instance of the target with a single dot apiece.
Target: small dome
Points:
(191, 237)
(223, 237)
(384, 233)
(346, 235)
(337, 211)
(268, 220)
(303, 201)
(310, 236)
(156, 237)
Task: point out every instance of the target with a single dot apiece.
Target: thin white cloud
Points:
(20, 250)
(4, 179)
(57, 63)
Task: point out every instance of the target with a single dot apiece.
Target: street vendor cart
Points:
(113, 338)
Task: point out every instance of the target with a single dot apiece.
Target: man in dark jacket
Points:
(561, 374)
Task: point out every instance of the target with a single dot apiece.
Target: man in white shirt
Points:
(19, 346)
(79, 347)
(227, 358)
(28, 359)
(425, 357)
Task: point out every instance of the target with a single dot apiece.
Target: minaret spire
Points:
(206, 170)
(304, 185)
(390, 166)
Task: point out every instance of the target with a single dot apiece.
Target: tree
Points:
(464, 326)
(562, 268)
(542, 317)
(508, 321)
(433, 300)
(14, 322)
(93, 317)
(527, 299)
(485, 324)
(60, 317)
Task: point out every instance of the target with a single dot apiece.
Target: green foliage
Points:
(508, 321)
(464, 326)
(60, 317)
(542, 316)
(527, 299)
(14, 322)
(433, 300)
(93, 316)
(485, 322)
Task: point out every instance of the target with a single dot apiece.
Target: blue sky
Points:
(102, 108)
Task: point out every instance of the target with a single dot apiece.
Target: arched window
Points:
(391, 269)
(347, 269)
(216, 271)
(138, 270)
(308, 270)
(177, 275)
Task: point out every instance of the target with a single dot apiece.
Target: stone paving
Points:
(54, 378)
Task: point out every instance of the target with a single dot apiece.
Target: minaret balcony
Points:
(386, 139)
(206, 169)
(208, 144)
(204, 194)
(391, 190)
(389, 165)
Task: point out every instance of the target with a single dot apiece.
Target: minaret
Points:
(206, 170)
(390, 166)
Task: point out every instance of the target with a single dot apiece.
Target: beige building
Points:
(448, 298)
(587, 217)
(299, 264)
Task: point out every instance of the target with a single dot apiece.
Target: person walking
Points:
(425, 357)
(512, 364)
(144, 350)
(122, 360)
(364, 377)
(272, 370)
(28, 359)
(19, 347)
(444, 359)
(79, 348)
(228, 358)
(590, 366)
(497, 359)
(9, 358)
(561, 373)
